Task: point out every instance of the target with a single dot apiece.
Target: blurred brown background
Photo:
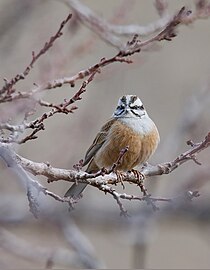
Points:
(169, 78)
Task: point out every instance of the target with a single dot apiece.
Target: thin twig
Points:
(132, 47)
(9, 157)
(38, 124)
(7, 88)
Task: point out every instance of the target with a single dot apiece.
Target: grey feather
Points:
(75, 190)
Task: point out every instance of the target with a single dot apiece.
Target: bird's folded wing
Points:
(98, 141)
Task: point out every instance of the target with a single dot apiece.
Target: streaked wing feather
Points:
(98, 142)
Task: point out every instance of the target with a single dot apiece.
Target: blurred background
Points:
(171, 78)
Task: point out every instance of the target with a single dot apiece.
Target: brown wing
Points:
(98, 142)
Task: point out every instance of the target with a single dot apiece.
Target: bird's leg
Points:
(119, 175)
(120, 178)
(140, 176)
(117, 163)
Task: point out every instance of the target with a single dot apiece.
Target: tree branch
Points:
(28, 182)
(38, 124)
(104, 176)
(111, 33)
(100, 180)
(132, 47)
(7, 88)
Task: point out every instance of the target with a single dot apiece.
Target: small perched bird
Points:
(130, 126)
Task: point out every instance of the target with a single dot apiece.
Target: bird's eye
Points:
(135, 107)
(120, 107)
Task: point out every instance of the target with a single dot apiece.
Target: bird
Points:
(129, 126)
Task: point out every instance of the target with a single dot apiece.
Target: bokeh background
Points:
(172, 79)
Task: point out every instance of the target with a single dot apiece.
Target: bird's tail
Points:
(75, 190)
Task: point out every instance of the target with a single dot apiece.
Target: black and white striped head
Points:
(130, 106)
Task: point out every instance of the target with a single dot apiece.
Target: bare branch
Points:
(132, 47)
(99, 181)
(95, 179)
(7, 88)
(102, 179)
(116, 196)
(24, 249)
(38, 124)
(79, 243)
(28, 182)
(110, 32)
(187, 196)
(168, 33)
(83, 256)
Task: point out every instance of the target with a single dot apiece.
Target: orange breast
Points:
(141, 147)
